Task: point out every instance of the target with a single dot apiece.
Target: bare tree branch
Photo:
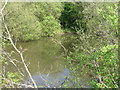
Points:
(11, 41)
(12, 63)
(3, 6)
(58, 42)
(19, 84)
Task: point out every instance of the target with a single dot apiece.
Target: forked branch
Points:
(14, 46)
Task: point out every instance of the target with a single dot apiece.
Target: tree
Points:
(72, 17)
(26, 21)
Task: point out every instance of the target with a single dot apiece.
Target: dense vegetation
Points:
(94, 24)
(30, 21)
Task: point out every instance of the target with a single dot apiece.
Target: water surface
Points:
(45, 61)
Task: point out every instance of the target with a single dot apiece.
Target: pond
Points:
(45, 60)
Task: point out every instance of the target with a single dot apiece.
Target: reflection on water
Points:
(51, 79)
(44, 61)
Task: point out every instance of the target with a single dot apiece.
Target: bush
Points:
(50, 26)
(102, 64)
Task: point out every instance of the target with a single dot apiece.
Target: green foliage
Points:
(50, 26)
(30, 21)
(10, 78)
(102, 63)
(48, 9)
(13, 77)
(4, 42)
(72, 17)
(110, 14)
(21, 22)
(101, 19)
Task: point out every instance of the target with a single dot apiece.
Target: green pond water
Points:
(46, 62)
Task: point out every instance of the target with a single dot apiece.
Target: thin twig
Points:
(19, 84)
(58, 42)
(20, 53)
(14, 65)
